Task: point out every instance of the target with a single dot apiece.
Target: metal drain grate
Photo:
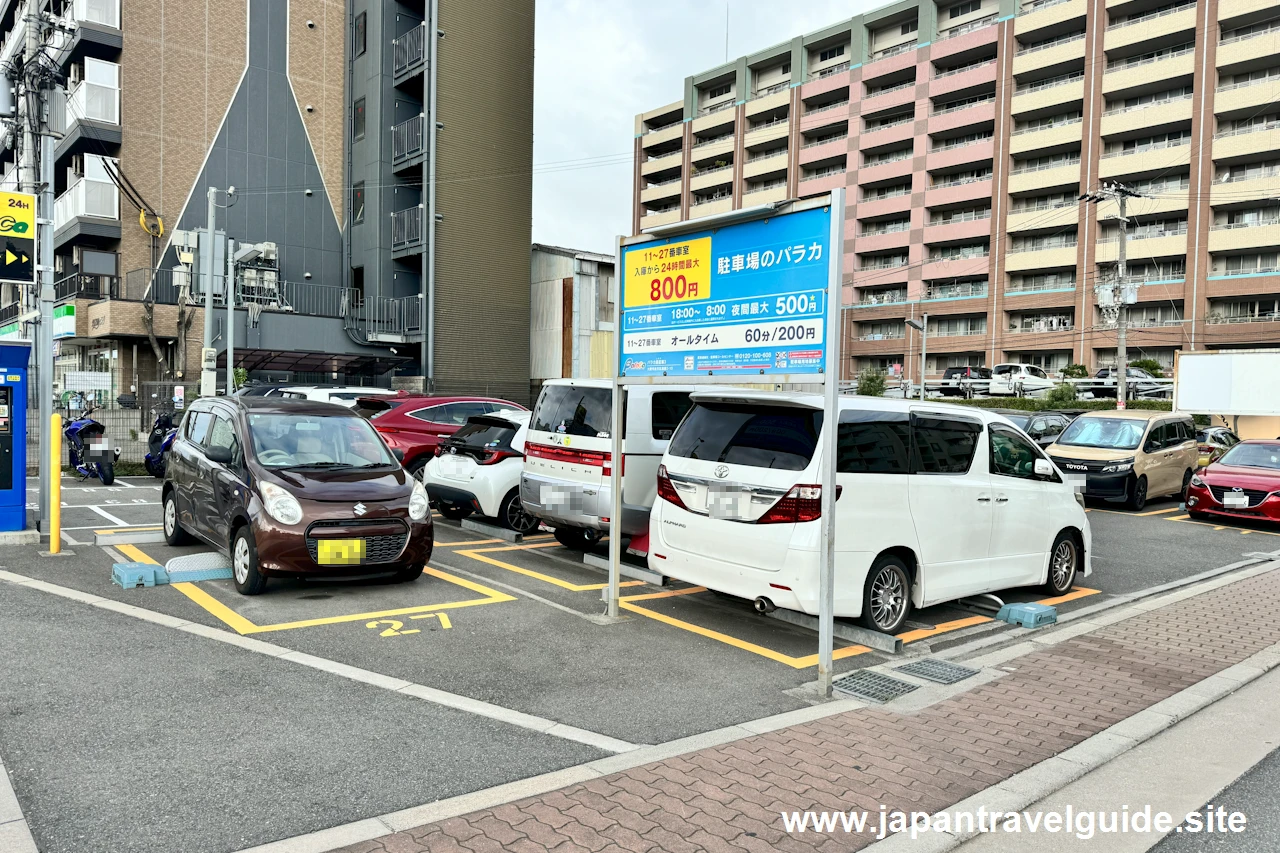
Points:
(941, 671)
(872, 686)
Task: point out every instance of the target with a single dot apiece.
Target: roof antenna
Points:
(726, 30)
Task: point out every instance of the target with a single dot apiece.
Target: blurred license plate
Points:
(451, 466)
(1235, 500)
(340, 552)
(728, 503)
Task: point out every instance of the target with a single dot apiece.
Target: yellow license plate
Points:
(340, 552)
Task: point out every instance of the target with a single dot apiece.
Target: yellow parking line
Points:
(1186, 519)
(942, 628)
(563, 584)
(1178, 518)
(495, 541)
(241, 625)
(1078, 592)
(1159, 511)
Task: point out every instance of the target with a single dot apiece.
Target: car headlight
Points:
(1117, 467)
(1196, 481)
(1080, 499)
(418, 504)
(279, 504)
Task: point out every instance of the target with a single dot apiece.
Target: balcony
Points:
(1040, 14)
(772, 101)
(406, 228)
(1049, 257)
(408, 52)
(1060, 134)
(884, 336)
(406, 140)
(83, 286)
(1263, 233)
(829, 70)
(103, 12)
(885, 297)
(1046, 286)
(967, 27)
(1154, 25)
(1049, 54)
(712, 109)
(896, 49)
(658, 135)
(666, 161)
(1059, 216)
(1045, 176)
(1123, 119)
(1241, 45)
(1155, 158)
(1142, 70)
(1051, 92)
(959, 290)
(767, 132)
(1251, 95)
(1261, 138)
(660, 190)
(88, 199)
(1257, 185)
(1160, 244)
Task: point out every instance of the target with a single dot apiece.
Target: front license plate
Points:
(1235, 501)
(340, 552)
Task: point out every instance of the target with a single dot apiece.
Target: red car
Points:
(1243, 483)
(415, 423)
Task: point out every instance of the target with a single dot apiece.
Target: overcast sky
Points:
(600, 62)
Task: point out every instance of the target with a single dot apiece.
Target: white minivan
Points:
(568, 453)
(1019, 379)
(934, 502)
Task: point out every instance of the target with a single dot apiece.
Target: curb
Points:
(15, 834)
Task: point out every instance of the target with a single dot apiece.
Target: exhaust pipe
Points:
(764, 605)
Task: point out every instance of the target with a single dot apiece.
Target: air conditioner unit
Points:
(75, 73)
(77, 166)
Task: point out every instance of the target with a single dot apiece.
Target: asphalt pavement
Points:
(1254, 795)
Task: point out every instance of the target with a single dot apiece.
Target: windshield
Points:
(1253, 456)
(1020, 421)
(781, 437)
(480, 432)
(574, 410)
(316, 441)
(1107, 433)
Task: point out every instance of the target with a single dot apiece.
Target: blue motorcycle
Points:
(88, 448)
(159, 441)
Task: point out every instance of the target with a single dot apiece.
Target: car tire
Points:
(578, 538)
(173, 532)
(454, 512)
(244, 563)
(886, 597)
(416, 468)
(1198, 516)
(1186, 484)
(1138, 496)
(513, 516)
(1064, 564)
(408, 575)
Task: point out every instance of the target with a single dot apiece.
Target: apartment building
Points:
(965, 134)
(315, 110)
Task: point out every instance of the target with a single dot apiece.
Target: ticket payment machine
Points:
(13, 434)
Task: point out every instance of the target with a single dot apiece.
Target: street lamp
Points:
(922, 326)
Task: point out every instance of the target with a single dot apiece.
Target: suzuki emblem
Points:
(1236, 489)
(722, 471)
(359, 509)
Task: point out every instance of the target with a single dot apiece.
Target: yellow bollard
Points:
(55, 484)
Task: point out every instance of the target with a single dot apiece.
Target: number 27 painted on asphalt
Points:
(394, 626)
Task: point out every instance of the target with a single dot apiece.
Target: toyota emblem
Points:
(359, 509)
(453, 450)
(722, 471)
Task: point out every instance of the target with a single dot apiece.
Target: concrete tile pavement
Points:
(730, 797)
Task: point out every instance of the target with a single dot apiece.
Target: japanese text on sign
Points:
(674, 272)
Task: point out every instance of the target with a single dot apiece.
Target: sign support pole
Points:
(44, 284)
(830, 433)
(616, 430)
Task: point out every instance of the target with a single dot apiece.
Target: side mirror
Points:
(221, 455)
(1043, 468)
(1151, 446)
(398, 453)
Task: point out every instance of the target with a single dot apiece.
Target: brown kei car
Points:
(293, 487)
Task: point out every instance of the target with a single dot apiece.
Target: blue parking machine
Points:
(14, 356)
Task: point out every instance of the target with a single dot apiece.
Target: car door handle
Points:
(1002, 499)
(984, 499)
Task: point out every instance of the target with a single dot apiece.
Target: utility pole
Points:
(922, 325)
(231, 317)
(1115, 298)
(206, 264)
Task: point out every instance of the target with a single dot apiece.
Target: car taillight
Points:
(802, 503)
(438, 449)
(594, 458)
(494, 456)
(667, 490)
(608, 465)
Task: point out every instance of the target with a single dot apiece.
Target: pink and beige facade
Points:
(965, 133)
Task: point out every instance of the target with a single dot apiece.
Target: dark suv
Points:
(964, 381)
(293, 487)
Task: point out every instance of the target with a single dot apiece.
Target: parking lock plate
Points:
(938, 671)
(872, 686)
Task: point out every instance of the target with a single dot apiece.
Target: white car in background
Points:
(342, 395)
(477, 469)
(933, 503)
(1019, 379)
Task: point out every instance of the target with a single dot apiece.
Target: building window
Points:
(831, 53)
(358, 36)
(357, 202)
(910, 27)
(786, 68)
(718, 91)
(357, 119)
(961, 9)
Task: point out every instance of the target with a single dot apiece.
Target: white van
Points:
(568, 453)
(934, 503)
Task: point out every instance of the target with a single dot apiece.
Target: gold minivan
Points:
(1126, 456)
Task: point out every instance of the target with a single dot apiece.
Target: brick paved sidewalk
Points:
(729, 797)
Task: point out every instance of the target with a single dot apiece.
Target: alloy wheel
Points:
(240, 560)
(170, 517)
(888, 598)
(1064, 564)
